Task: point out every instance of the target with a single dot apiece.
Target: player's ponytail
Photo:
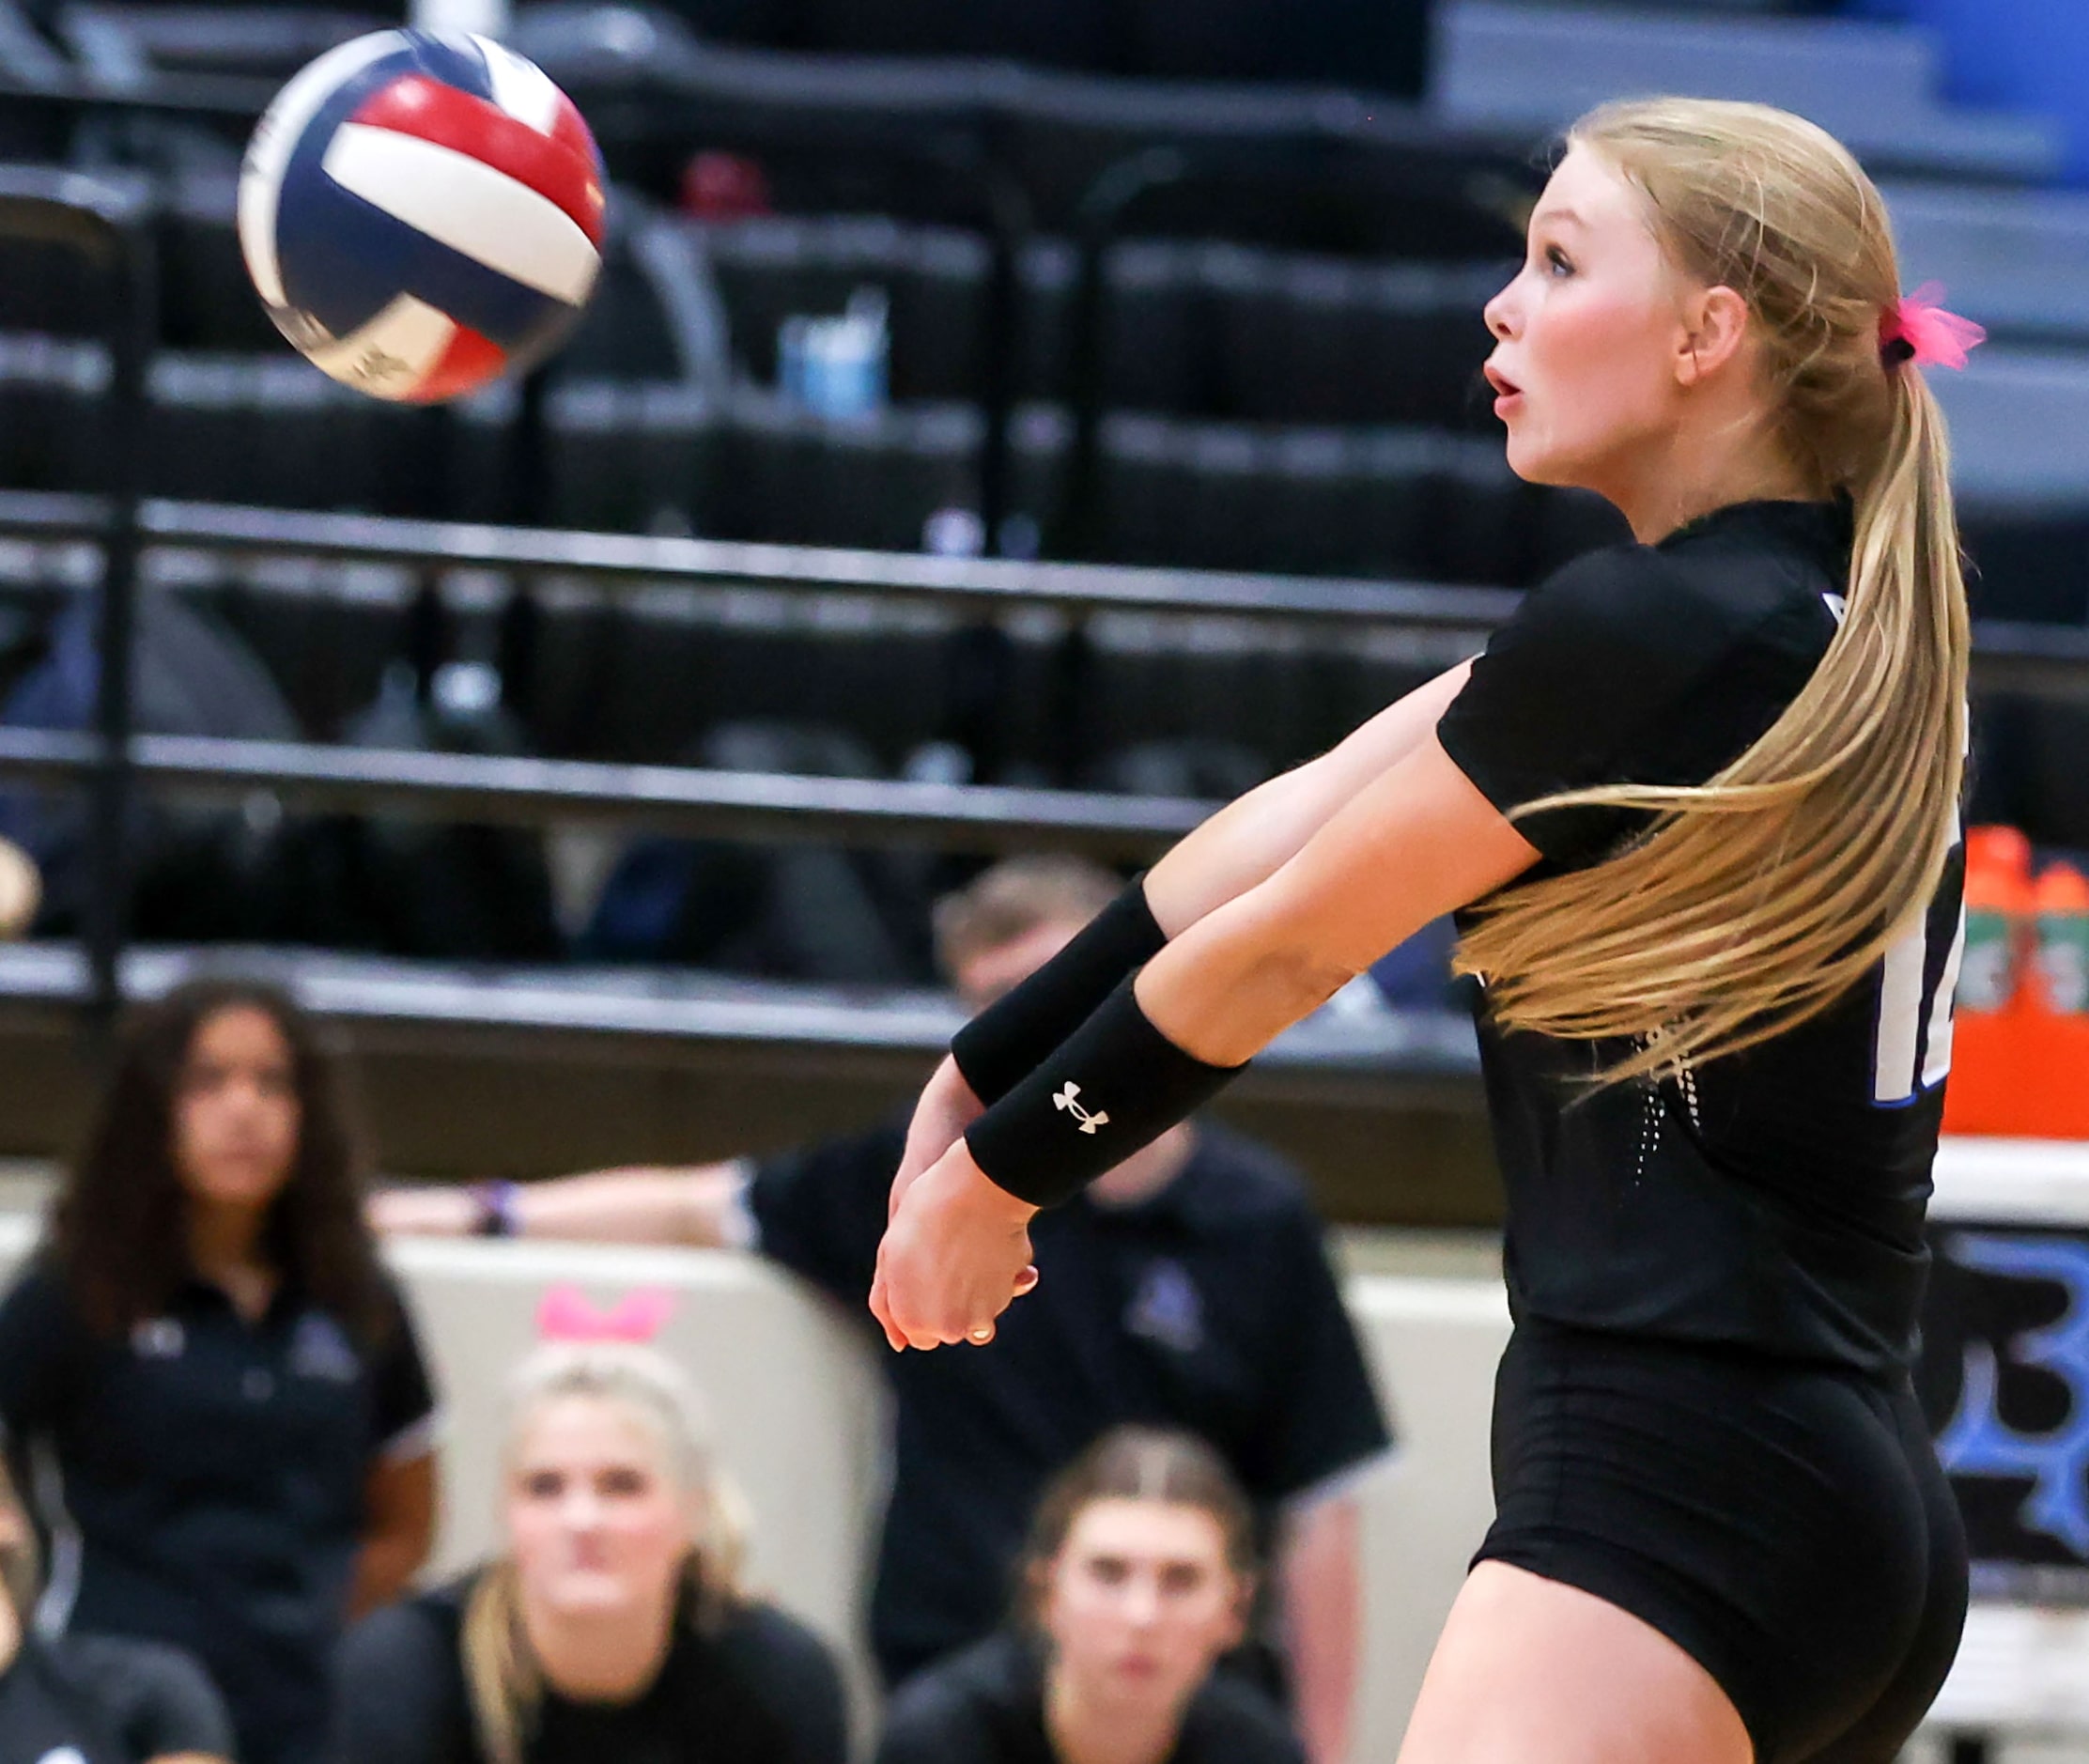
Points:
(1755, 902)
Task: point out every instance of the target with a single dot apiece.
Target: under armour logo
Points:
(1065, 1100)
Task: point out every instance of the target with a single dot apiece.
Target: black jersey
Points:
(1772, 1200)
(760, 1689)
(986, 1705)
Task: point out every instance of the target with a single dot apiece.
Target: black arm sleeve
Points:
(999, 1048)
(1623, 670)
(1110, 1088)
(156, 1698)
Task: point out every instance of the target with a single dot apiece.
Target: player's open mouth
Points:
(1507, 393)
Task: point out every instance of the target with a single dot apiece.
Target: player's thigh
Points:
(1528, 1671)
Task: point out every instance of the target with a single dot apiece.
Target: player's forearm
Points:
(1249, 840)
(1324, 1613)
(1417, 842)
(385, 1569)
(644, 1205)
(636, 1206)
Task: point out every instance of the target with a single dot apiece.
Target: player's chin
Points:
(1536, 459)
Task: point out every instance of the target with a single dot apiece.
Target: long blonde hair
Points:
(1754, 902)
(500, 1673)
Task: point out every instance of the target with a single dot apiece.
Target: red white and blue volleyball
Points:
(421, 212)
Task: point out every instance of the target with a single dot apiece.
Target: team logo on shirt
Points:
(158, 1339)
(1167, 1308)
(1064, 1100)
(320, 1350)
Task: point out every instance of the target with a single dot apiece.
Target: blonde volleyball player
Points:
(1698, 803)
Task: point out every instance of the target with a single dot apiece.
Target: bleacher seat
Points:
(1407, 502)
(1521, 65)
(2016, 260)
(1381, 48)
(933, 279)
(262, 42)
(1317, 340)
(271, 429)
(51, 417)
(1190, 328)
(206, 301)
(656, 313)
(325, 631)
(2019, 429)
(50, 288)
(632, 457)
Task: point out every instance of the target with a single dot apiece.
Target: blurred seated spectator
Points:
(1139, 1576)
(613, 1628)
(93, 1699)
(218, 1383)
(1188, 1288)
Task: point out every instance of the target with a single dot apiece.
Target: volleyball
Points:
(421, 213)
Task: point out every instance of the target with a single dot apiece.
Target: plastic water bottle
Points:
(1998, 910)
(2060, 957)
(837, 367)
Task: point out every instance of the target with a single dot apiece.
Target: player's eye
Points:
(1556, 262)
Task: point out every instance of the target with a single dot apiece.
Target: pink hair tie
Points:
(1917, 329)
(566, 1315)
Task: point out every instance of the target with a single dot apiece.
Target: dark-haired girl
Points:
(1138, 1576)
(209, 1387)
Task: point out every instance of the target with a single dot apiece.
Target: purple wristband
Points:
(497, 1214)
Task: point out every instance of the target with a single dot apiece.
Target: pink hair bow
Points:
(1917, 328)
(566, 1315)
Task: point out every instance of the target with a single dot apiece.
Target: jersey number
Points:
(1912, 997)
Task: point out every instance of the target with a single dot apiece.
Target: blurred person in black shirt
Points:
(213, 1380)
(1190, 1289)
(1138, 1576)
(92, 1700)
(613, 1628)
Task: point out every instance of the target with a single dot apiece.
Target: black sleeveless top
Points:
(1772, 1200)
(761, 1689)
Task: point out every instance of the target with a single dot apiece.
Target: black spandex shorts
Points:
(1785, 1524)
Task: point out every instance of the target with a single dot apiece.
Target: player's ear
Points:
(1714, 326)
